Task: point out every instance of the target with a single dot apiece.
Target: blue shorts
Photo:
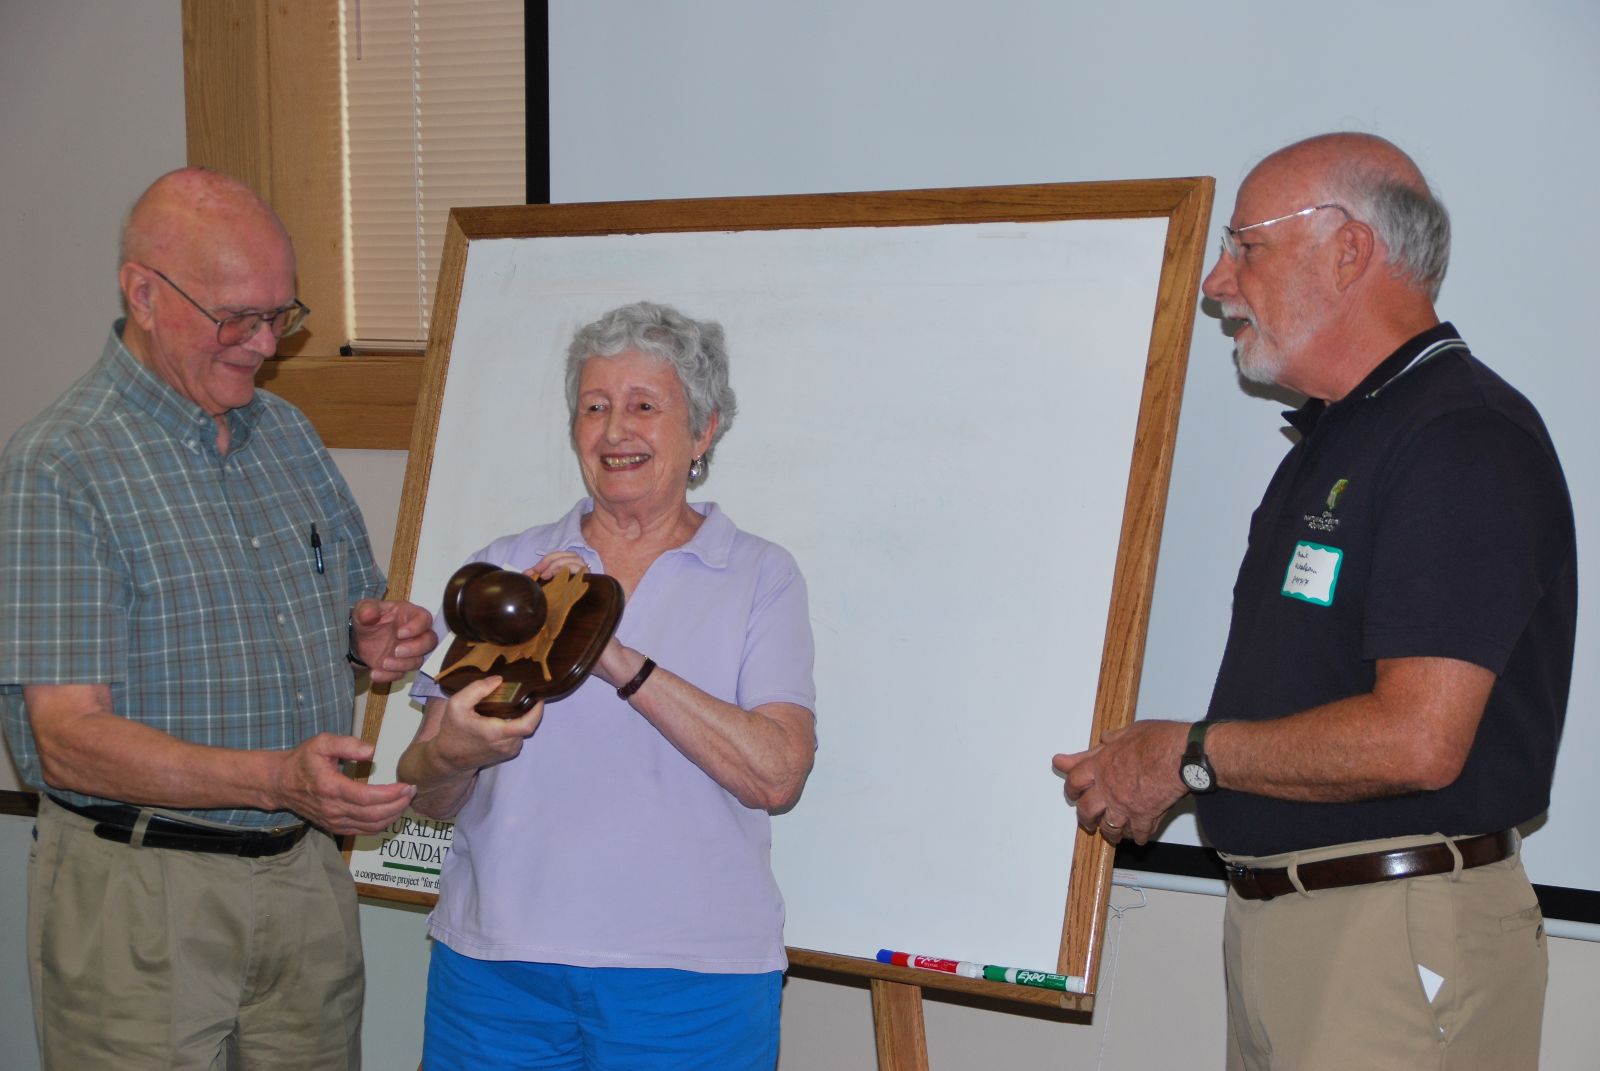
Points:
(510, 1014)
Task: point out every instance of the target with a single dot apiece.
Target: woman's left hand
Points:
(558, 561)
(609, 667)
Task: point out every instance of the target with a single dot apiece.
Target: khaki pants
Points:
(1441, 972)
(152, 958)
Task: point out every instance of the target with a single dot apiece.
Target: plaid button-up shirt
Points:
(133, 554)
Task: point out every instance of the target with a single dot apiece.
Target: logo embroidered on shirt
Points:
(1335, 492)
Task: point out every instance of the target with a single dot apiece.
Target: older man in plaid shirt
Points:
(186, 594)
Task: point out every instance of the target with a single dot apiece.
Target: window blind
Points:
(434, 108)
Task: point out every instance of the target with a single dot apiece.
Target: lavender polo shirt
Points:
(600, 845)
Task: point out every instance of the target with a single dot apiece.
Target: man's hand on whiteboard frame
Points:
(1123, 785)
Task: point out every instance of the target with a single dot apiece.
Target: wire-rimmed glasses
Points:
(1230, 235)
(235, 329)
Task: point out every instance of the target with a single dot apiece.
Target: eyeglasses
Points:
(232, 330)
(1230, 235)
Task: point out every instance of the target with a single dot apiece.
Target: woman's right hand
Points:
(468, 740)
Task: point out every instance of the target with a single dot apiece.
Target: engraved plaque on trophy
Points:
(542, 637)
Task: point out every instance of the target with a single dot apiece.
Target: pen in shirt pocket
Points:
(316, 546)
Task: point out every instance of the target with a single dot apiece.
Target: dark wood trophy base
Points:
(583, 612)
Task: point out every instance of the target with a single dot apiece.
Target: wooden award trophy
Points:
(542, 637)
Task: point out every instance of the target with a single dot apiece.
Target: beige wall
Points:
(73, 161)
(91, 109)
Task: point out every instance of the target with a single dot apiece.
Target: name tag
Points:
(1313, 573)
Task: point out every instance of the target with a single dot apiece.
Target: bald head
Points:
(1334, 254)
(1377, 184)
(1326, 152)
(201, 220)
(200, 249)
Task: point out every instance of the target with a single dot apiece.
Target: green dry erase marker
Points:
(1066, 983)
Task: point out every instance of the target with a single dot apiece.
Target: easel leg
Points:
(897, 1022)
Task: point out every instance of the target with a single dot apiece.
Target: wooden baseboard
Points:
(22, 804)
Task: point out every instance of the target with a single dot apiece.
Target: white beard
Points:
(1257, 361)
(1261, 359)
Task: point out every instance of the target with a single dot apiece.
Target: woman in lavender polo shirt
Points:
(609, 900)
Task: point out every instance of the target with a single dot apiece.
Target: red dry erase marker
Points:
(930, 963)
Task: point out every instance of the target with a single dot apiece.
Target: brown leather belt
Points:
(1253, 883)
(116, 823)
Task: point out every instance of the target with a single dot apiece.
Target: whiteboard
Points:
(942, 423)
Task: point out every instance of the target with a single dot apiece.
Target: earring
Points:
(697, 468)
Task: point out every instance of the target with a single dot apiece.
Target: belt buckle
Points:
(1245, 882)
(272, 841)
(254, 845)
(1237, 875)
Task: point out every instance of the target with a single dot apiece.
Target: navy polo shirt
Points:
(1424, 514)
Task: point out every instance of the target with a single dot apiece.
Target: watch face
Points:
(1197, 777)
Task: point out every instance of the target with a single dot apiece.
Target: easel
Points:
(688, 229)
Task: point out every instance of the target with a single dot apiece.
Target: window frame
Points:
(262, 103)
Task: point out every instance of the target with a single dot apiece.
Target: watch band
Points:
(1197, 738)
(1194, 767)
(350, 647)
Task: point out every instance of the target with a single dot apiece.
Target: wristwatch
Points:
(350, 647)
(1194, 768)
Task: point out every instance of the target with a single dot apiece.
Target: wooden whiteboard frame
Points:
(1184, 203)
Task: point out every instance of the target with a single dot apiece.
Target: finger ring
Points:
(1111, 825)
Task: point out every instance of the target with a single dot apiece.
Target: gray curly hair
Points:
(694, 349)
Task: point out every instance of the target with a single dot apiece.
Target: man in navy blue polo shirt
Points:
(1395, 679)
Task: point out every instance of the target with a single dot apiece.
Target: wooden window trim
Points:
(261, 102)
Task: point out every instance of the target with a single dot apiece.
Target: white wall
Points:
(91, 110)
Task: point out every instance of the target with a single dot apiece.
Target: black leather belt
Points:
(1253, 883)
(116, 822)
